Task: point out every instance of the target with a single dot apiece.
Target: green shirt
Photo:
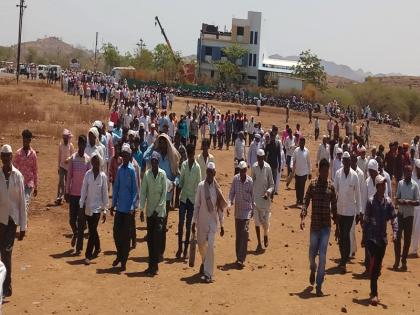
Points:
(153, 189)
(408, 191)
(190, 178)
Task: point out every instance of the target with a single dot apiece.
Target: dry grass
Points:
(45, 110)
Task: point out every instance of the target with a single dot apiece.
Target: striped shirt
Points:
(78, 166)
(242, 194)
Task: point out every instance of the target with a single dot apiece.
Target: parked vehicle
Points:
(42, 71)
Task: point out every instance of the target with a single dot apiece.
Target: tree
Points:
(111, 55)
(309, 68)
(229, 70)
(143, 60)
(31, 55)
(163, 60)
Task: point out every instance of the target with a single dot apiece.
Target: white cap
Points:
(131, 132)
(362, 149)
(379, 179)
(98, 124)
(257, 136)
(260, 152)
(417, 163)
(6, 149)
(126, 148)
(373, 165)
(141, 125)
(66, 133)
(152, 125)
(110, 125)
(346, 155)
(242, 165)
(211, 166)
(155, 156)
(339, 150)
(96, 153)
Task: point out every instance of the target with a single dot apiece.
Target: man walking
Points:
(78, 166)
(273, 151)
(204, 158)
(124, 197)
(407, 198)
(346, 184)
(12, 212)
(26, 162)
(302, 169)
(153, 192)
(263, 187)
(208, 215)
(253, 149)
(241, 192)
(189, 179)
(324, 207)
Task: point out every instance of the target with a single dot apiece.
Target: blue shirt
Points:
(165, 165)
(138, 156)
(183, 129)
(143, 146)
(124, 192)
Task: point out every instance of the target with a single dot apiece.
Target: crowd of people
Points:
(146, 157)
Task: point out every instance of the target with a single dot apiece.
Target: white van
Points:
(56, 69)
(42, 71)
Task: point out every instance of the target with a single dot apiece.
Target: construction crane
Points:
(157, 22)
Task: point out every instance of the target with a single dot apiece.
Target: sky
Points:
(381, 36)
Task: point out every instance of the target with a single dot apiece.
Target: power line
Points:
(21, 7)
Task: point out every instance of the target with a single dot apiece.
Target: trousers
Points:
(62, 178)
(206, 249)
(405, 225)
(93, 240)
(376, 254)
(154, 240)
(77, 220)
(7, 240)
(318, 246)
(186, 211)
(122, 236)
(344, 223)
(300, 188)
(242, 234)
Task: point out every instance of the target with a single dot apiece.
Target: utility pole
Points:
(96, 52)
(21, 7)
(141, 45)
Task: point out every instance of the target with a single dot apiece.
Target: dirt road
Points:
(48, 279)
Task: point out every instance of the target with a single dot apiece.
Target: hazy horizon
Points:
(375, 36)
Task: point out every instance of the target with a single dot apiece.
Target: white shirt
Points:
(146, 121)
(362, 164)
(150, 138)
(94, 193)
(240, 149)
(258, 103)
(289, 144)
(388, 182)
(301, 162)
(323, 153)
(337, 164)
(12, 199)
(262, 183)
(348, 193)
(252, 152)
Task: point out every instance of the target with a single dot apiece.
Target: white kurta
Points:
(415, 236)
(206, 224)
(2, 277)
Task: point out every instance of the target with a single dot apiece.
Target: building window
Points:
(252, 77)
(212, 73)
(208, 51)
(249, 60)
(251, 37)
(255, 38)
(254, 63)
(240, 31)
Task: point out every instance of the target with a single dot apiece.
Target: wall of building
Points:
(286, 84)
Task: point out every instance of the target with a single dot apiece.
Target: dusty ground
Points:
(47, 279)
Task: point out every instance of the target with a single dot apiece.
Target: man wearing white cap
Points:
(208, 215)
(65, 150)
(362, 160)
(153, 199)
(152, 135)
(346, 184)
(379, 210)
(263, 187)
(12, 212)
(253, 148)
(415, 236)
(240, 151)
(124, 197)
(337, 163)
(241, 193)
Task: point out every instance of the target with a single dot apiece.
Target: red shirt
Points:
(27, 165)
(114, 118)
